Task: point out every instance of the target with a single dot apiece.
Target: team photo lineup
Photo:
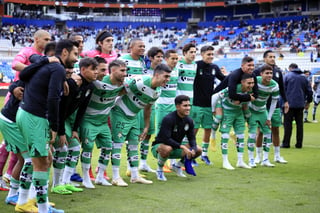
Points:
(64, 102)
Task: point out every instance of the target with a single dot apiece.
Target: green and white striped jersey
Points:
(168, 93)
(102, 100)
(227, 103)
(76, 67)
(139, 94)
(186, 73)
(264, 92)
(134, 67)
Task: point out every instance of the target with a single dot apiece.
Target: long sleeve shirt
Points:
(231, 81)
(203, 85)
(173, 129)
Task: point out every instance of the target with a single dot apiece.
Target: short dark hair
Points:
(162, 68)
(246, 76)
(87, 62)
(153, 51)
(187, 47)
(265, 67)
(181, 98)
(65, 44)
(51, 46)
(265, 54)
(100, 60)
(293, 66)
(116, 63)
(246, 59)
(168, 52)
(206, 48)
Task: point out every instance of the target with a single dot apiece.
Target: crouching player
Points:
(168, 144)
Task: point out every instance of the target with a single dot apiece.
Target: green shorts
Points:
(202, 117)
(233, 119)
(276, 118)
(258, 119)
(152, 121)
(175, 154)
(124, 127)
(101, 134)
(72, 142)
(35, 131)
(12, 136)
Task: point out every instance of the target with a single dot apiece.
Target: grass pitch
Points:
(292, 187)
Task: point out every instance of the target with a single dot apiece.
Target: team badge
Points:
(88, 92)
(186, 127)
(277, 74)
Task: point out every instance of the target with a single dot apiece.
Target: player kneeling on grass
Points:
(168, 144)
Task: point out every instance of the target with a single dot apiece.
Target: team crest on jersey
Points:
(88, 93)
(156, 94)
(186, 127)
(213, 71)
(277, 74)
(119, 135)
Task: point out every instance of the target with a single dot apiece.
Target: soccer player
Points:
(67, 145)
(142, 92)
(94, 126)
(155, 55)
(20, 61)
(37, 117)
(104, 49)
(316, 99)
(165, 103)
(168, 144)
(234, 116)
(203, 88)
(269, 59)
(187, 69)
(260, 117)
(134, 60)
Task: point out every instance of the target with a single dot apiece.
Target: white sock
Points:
(134, 173)
(115, 172)
(259, 151)
(32, 192)
(14, 187)
(160, 168)
(251, 155)
(23, 196)
(85, 172)
(101, 169)
(56, 177)
(240, 156)
(67, 173)
(143, 162)
(225, 158)
(43, 207)
(277, 151)
(172, 161)
(265, 155)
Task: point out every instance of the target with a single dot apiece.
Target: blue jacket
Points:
(297, 88)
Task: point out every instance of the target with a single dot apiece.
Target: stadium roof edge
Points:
(118, 5)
